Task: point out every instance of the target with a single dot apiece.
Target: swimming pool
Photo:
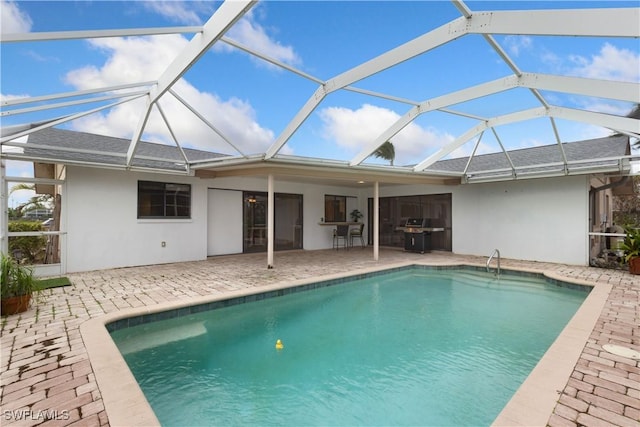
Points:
(413, 346)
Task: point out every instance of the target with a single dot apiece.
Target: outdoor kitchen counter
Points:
(424, 229)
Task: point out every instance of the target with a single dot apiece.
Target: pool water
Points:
(410, 347)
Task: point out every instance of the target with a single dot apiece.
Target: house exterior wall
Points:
(100, 217)
(543, 219)
(224, 220)
(314, 236)
(537, 219)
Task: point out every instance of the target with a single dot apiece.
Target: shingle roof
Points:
(65, 146)
(601, 152)
(72, 146)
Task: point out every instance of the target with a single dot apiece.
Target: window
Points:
(163, 200)
(335, 208)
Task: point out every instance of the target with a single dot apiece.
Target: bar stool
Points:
(340, 232)
(356, 233)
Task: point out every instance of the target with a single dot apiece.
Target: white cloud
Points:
(132, 59)
(177, 11)
(611, 63)
(250, 33)
(515, 44)
(9, 97)
(145, 58)
(602, 106)
(354, 129)
(12, 19)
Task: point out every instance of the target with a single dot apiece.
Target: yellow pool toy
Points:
(279, 345)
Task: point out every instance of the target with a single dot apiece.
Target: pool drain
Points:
(619, 350)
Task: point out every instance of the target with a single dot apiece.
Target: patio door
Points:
(394, 212)
(287, 222)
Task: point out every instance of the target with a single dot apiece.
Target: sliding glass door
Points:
(287, 222)
(394, 212)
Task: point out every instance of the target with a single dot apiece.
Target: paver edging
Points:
(535, 400)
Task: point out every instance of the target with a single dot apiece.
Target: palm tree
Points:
(386, 151)
(36, 202)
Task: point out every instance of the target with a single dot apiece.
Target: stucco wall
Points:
(542, 219)
(100, 216)
(536, 219)
(539, 219)
(314, 236)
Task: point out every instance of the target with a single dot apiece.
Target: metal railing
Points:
(495, 252)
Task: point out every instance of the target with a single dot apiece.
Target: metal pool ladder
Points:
(495, 252)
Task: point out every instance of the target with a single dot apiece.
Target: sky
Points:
(251, 102)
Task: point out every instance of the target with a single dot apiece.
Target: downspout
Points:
(610, 185)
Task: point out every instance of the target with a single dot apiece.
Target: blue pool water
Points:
(412, 347)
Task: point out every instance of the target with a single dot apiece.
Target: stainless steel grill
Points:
(417, 233)
(417, 225)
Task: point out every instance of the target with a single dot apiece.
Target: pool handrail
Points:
(495, 252)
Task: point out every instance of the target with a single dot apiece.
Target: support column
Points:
(4, 208)
(270, 221)
(376, 221)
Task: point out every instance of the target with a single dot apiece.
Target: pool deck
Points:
(47, 374)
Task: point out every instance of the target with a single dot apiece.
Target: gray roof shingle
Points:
(526, 159)
(106, 150)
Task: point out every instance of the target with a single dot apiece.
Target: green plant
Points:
(631, 243)
(31, 249)
(15, 279)
(355, 215)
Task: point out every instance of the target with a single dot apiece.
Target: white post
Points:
(270, 221)
(4, 209)
(376, 220)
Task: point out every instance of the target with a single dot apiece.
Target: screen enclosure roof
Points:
(453, 85)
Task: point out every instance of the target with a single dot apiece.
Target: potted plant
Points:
(631, 248)
(356, 215)
(17, 284)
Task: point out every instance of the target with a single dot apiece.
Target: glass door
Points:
(254, 224)
(394, 212)
(287, 222)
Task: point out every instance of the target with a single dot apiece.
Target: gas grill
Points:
(417, 234)
(416, 225)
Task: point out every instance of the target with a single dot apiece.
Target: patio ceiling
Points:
(607, 23)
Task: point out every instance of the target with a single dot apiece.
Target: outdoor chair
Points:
(356, 233)
(340, 233)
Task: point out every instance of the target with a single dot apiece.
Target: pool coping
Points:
(532, 404)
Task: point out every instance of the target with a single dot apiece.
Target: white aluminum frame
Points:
(605, 22)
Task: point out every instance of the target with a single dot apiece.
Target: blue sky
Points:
(252, 102)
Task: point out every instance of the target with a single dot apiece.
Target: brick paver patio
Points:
(47, 379)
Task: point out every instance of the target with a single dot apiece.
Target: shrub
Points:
(15, 280)
(31, 248)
